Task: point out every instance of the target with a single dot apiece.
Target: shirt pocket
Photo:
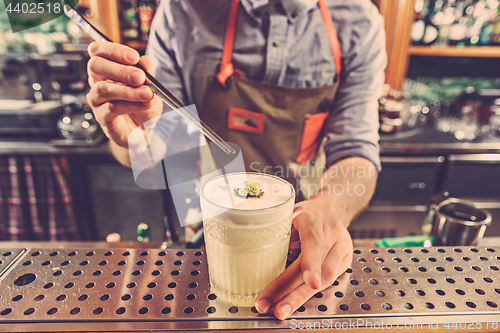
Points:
(309, 143)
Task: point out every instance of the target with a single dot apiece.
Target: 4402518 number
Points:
(34, 8)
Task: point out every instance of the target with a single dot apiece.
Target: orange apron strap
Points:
(226, 66)
(332, 36)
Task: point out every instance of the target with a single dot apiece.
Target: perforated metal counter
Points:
(146, 290)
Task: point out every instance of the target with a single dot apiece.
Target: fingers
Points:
(110, 61)
(101, 69)
(313, 250)
(110, 100)
(119, 108)
(107, 113)
(115, 52)
(313, 245)
(336, 262)
(289, 291)
(331, 269)
(292, 278)
(284, 284)
(118, 97)
(104, 91)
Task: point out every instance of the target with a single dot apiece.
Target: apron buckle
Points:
(225, 86)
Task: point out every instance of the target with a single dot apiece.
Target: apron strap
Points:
(332, 37)
(226, 66)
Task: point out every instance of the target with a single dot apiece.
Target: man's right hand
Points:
(117, 95)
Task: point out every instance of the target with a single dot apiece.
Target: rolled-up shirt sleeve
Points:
(352, 126)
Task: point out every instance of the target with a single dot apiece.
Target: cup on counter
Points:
(246, 238)
(457, 222)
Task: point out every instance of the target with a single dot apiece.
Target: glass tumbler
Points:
(246, 239)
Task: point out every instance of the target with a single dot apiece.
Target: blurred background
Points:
(439, 116)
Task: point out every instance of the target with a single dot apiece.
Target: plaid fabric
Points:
(35, 200)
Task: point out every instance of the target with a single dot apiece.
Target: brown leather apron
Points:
(279, 129)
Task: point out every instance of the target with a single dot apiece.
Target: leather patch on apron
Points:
(310, 140)
(245, 121)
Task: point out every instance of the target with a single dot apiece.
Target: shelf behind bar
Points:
(137, 44)
(453, 51)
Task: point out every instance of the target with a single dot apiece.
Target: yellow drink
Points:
(246, 239)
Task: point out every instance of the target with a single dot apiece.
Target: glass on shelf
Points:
(456, 22)
(136, 17)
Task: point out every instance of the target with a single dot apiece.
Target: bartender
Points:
(304, 75)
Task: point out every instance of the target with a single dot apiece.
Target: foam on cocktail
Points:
(220, 192)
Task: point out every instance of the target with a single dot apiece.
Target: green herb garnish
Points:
(249, 190)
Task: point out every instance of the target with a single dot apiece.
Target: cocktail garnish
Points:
(249, 190)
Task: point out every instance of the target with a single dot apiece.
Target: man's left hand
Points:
(326, 252)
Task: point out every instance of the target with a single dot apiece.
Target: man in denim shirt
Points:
(282, 48)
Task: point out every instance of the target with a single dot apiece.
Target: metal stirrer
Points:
(166, 96)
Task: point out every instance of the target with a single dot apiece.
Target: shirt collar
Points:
(293, 8)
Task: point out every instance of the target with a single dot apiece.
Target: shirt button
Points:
(276, 43)
(294, 15)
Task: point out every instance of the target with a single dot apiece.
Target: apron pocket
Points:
(245, 121)
(309, 143)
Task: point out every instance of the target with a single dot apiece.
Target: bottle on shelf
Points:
(496, 35)
(136, 17)
(458, 28)
(146, 10)
(481, 29)
(471, 13)
(128, 20)
(495, 40)
(418, 27)
(445, 21)
(491, 27)
(432, 21)
(456, 22)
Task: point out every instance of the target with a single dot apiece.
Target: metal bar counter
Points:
(423, 141)
(428, 141)
(39, 147)
(117, 289)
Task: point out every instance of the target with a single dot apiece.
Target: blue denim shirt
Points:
(282, 42)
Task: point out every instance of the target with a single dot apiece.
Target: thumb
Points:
(148, 63)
